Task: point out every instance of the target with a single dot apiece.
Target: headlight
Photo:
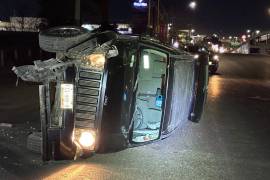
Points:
(96, 61)
(196, 56)
(85, 139)
(215, 57)
(66, 96)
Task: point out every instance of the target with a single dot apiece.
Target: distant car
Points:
(198, 51)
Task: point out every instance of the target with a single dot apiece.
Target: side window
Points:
(152, 70)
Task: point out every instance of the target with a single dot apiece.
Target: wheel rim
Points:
(66, 32)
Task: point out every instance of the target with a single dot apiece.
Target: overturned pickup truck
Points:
(105, 91)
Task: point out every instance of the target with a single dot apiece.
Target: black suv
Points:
(198, 50)
(108, 91)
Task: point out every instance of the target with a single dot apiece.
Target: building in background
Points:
(120, 27)
(25, 24)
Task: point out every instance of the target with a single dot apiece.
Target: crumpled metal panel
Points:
(41, 71)
(52, 69)
(83, 50)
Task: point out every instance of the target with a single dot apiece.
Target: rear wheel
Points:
(59, 39)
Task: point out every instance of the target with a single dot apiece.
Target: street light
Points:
(192, 5)
(258, 32)
(248, 31)
(149, 14)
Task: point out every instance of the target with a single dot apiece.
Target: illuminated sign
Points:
(140, 4)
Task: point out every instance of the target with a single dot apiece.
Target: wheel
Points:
(59, 39)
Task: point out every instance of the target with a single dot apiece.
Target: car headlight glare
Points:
(196, 56)
(87, 139)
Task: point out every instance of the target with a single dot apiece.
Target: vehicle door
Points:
(150, 95)
(187, 89)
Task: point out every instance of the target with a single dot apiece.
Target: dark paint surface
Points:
(230, 142)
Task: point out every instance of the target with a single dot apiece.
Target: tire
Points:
(59, 39)
(34, 142)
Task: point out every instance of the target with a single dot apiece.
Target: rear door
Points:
(187, 91)
(180, 92)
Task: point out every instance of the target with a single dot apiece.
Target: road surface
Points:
(232, 141)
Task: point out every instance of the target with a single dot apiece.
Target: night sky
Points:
(227, 16)
(19, 8)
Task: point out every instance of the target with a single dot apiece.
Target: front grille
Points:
(87, 98)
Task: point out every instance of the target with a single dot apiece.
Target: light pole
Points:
(158, 17)
(155, 27)
(192, 5)
(149, 15)
(104, 12)
(78, 12)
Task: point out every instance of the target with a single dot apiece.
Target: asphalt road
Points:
(232, 141)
